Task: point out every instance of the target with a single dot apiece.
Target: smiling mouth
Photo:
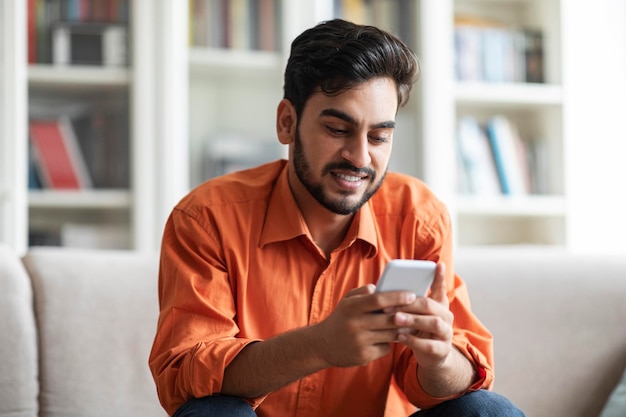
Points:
(349, 178)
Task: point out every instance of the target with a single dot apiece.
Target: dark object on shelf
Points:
(102, 44)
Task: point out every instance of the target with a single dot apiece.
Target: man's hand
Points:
(427, 324)
(355, 333)
(360, 329)
(427, 328)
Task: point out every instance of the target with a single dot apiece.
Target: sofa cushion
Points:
(96, 313)
(18, 350)
(557, 321)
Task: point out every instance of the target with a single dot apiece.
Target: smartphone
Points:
(407, 275)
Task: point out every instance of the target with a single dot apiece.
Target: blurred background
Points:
(111, 110)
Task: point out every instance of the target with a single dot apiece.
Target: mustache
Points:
(345, 166)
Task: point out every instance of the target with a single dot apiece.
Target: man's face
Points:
(343, 143)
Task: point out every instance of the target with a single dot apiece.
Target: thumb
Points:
(438, 290)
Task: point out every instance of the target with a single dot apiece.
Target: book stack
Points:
(235, 24)
(494, 160)
(86, 151)
(392, 15)
(56, 157)
(487, 51)
(92, 16)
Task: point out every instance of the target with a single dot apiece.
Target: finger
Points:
(429, 327)
(366, 300)
(438, 287)
(430, 350)
(366, 289)
(389, 301)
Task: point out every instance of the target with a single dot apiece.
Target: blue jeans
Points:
(215, 406)
(473, 404)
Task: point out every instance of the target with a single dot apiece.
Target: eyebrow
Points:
(346, 117)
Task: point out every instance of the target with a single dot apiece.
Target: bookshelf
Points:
(117, 110)
(446, 97)
(230, 78)
(442, 98)
(193, 107)
(425, 144)
(537, 216)
(93, 97)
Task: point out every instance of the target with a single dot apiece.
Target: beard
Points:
(342, 205)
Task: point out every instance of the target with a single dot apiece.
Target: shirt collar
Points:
(284, 221)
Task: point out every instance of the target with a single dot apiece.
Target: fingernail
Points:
(401, 318)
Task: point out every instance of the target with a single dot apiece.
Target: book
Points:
(385, 15)
(42, 15)
(468, 59)
(533, 56)
(43, 237)
(490, 51)
(477, 169)
(539, 166)
(354, 11)
(34, 180)
(58, 158)
(32, 31)
(102, 134)
(267, 25)
(509, 156)
(249, 25)
(238, 25)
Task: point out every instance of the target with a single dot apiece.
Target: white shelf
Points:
(226, 61)
(83, 199)
(516, 95)
(90, 76)
(514, 206)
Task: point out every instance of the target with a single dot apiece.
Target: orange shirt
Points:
(238, 265)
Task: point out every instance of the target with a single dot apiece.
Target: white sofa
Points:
(77, 326)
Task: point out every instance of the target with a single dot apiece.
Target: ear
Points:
(286, 121)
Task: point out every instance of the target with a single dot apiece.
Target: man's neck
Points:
(327, 229)
(328, 234)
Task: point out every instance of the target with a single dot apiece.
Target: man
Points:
(267, 276)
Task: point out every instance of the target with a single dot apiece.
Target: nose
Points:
(356, 151)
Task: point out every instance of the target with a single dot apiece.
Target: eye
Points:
(336, 131)
(379, 138)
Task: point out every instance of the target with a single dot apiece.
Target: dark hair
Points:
(337, 55)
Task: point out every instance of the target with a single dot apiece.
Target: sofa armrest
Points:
(18, 350)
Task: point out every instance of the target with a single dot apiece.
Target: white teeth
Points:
(349, 177)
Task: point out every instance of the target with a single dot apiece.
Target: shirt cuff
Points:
(484, 379)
